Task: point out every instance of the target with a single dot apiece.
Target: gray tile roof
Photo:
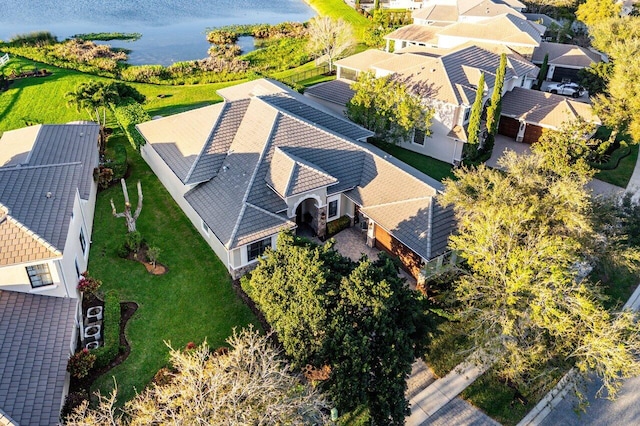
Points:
(337, 91)
(290, 175)
(35, 338)
(279, 149)
(24, 191)
(68, 143)
(214, 151)
(287, 103)
(175, 159)
(567, 55)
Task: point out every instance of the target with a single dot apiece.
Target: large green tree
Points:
(387, 107)
(359, 319)
(522, 234)
(475, 119)
(596, 77)
(593, 11)
(495, 106)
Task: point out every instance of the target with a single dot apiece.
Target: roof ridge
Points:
(208, 141)
(40, 166)
(306, 163)
(245, 196)
(267, 212)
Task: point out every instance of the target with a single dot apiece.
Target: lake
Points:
(172, 30)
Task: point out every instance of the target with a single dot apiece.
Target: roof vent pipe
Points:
(49, 194)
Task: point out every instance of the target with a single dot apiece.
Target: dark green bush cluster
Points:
(133, 241)
(110, 331)
(73, 401)
(335, 226)
(117, 162)
(128, 114)
(618, 154)
(108, 36)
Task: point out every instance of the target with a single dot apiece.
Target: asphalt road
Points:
(625, 410)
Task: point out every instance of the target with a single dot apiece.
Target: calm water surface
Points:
(171, 30)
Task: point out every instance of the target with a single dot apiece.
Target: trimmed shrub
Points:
(110, 331)
(80, 363)
(128, 115)
(338, 225)
(133, 241)
(117, 161)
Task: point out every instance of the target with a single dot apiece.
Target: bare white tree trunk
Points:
(129, 218)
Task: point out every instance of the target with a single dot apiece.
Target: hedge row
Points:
(335, 226)
(614, 160)
(110, 331)
(128, 115)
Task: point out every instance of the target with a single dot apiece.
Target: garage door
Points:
(509, 127)
(532, 133)
(560, 73)
(386, 242)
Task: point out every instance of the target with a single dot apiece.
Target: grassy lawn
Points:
(620, 175)
(339, 9)
(194, 301)
(41, 100)
(430, 166)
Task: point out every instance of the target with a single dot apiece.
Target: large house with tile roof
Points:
(268, 159)
(47, 201)
(445, 79)
(446, 24)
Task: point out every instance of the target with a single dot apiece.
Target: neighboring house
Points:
(446, 24)
(446, 80)
(526, 113)
(268, 159)
(552, 25)
(47, 201)
(565, 60)
(465, 5)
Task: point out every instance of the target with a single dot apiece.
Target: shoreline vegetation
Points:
(280, 52)
(108, 36)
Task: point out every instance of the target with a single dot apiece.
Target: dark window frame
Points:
(257, 249)
(417, 132)
(333, 205)
(83, 242)
(39, 275)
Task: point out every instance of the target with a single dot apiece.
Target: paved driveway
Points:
(625, 410)
(503, 144)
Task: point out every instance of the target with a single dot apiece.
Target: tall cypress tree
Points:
(543, 70)
(495, 107)
(473, 130)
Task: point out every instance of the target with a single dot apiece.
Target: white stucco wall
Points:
(177, 190)
(62, 269)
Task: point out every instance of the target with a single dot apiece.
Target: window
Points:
(418, 137)
(39, 275)
(83, 242)
(467, 112)
(205, 228)
(77, 269)
(333, 208)
(254, 250)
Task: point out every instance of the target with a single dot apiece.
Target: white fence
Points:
(4, 59)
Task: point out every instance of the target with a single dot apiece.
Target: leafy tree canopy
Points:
(522, 234)
(359, 319)
(248, 384)
(593, 11)
(387, 107)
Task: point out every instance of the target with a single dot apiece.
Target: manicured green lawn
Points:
(620, 175)
(339, 9)
(194, 301)
(437, 169)
(41, 100)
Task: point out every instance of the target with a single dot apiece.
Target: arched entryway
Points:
(310, 218)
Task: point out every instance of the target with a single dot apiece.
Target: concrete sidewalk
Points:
(551, 400)
(438, 394)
